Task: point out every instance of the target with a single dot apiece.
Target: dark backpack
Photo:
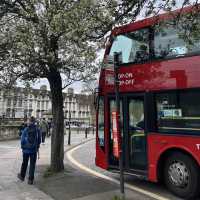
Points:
(31, 138)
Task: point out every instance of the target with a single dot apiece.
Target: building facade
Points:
(25, 102)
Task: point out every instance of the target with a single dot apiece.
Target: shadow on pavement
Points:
(71, 184)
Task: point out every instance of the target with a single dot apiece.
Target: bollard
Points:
(86, 132)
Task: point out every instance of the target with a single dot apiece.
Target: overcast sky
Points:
(77, 85)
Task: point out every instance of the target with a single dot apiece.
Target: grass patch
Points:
(48, 172)
(117, 198)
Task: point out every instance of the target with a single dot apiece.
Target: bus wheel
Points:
(181, 175)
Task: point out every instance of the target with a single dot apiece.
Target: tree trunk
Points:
(57, 138)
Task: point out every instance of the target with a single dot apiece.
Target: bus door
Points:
(136, 134)
(113, 161)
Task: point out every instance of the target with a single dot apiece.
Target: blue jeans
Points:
(26, 157)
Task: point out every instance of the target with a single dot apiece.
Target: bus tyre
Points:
(181, 175)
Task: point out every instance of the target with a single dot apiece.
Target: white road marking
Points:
(131, 187)
(8, 147)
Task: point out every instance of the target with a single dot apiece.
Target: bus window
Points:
(178, 111)
(137, 140)
(101, 122)
(173, 40)
(136, 116)
(134, 46)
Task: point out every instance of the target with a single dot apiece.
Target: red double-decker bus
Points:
(159, 84)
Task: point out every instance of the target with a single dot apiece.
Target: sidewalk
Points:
(10, 162)
(76, 185)
(72, 184)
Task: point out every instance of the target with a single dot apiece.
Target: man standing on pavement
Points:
(43, 129)
(30, 143)
(49, 127)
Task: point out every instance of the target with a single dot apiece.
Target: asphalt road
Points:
(86, 156)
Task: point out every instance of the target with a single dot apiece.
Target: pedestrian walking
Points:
(43, 129)
(30, 144)
(49, 127)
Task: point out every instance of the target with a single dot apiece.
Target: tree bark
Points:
(57, 138)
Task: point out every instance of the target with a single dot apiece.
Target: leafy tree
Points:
(89, 86)
(56, 39)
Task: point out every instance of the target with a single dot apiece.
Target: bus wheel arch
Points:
(174, 159)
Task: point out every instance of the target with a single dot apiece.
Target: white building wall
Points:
(38, 102)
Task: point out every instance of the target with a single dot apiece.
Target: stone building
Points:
(24, 102)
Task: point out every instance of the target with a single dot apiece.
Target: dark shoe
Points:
(20, 177)
(30, 182)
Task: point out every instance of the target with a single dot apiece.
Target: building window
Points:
(66, 104)
(38, 104)
(13, 113)
(14, 102)
(20, 103)
(25, 103)
(8, 112)
(83, 114)
(178, 111)
(30, 104)
(37, 114)
(47, 105)
(9, 102)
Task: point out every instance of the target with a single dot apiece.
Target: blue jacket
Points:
(23, 141)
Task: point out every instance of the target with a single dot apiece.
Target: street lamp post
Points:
(86, 132)
(117, 96)
(69, 135)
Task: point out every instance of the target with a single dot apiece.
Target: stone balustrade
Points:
(8, 132)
